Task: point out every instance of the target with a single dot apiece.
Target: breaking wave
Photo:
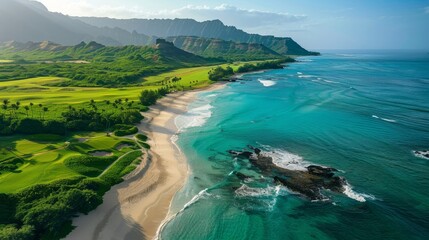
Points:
(267, 83)
(360, 197)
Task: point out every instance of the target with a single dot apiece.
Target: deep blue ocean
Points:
(362, 113)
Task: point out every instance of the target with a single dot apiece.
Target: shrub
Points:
(124, 130)
(29, 126)
(141, 137)
(119, 169)
(11, 232)
(7, 208)
(148, 97)
(54, 127)
(10, 165)
(220, 73)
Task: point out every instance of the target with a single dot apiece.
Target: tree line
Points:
(97, 117)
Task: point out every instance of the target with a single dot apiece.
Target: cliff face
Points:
(218, 48)
(207, 29)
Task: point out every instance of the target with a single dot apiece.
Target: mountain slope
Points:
(207, 29)
(93, 64)
(218, 48)
(24, 20)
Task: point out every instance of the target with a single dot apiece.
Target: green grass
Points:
(44, 155)
(33, 90)
(191, 78)
(121, 167)
(88, 165)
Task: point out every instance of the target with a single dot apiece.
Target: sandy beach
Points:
(135, 208)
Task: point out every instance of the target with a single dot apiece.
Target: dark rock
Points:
(308, 183)
(244, 154)
(321, 171)
(255, 150)
(241, 176)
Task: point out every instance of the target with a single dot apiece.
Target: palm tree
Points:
(14, 108)
(45, 109)
(6, 102)
(27, 108)
(31, 106)
(40, 112)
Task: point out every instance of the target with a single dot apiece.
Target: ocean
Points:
(362, 113)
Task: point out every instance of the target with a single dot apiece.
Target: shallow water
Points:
(362, 113)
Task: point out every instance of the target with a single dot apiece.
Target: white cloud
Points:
(257, 21)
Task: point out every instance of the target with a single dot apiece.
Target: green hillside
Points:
(227, 50)
(93, 64)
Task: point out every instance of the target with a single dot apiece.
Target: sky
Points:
(315, 24)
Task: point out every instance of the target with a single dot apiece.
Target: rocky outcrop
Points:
(308, 183)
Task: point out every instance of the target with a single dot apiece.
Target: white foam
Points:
(360, 197)
(329, 81)
(384, 119)
(421, 154)
(246, 191)
(306, 76)
(265, 197)
(195, 117)
(267, 83)
(287, 160)
(195, 199)
(299, 73)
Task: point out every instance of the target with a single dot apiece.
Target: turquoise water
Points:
(362, 113)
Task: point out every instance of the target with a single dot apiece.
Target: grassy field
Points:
(43, 156)
(37, 90)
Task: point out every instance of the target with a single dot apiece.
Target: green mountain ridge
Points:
(208, 29)
(217, 48)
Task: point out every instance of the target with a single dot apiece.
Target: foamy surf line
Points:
(360, 197)
(194, 117)
(195, 199)
(267, 83)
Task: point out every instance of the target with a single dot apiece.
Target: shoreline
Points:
(137, 207)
